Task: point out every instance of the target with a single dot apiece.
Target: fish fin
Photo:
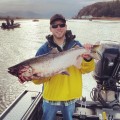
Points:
(37, 74)
(96, 56)
(95, 47)
(76, 46)
(65, 73)
(97, 43)
(78, 62)
(54, 51)
(94, 53)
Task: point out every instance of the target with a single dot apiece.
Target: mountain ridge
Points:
(100, 9)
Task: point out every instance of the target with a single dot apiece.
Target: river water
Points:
(22, 43)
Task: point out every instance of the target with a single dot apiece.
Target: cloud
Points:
(46, 7)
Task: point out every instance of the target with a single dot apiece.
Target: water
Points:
(22, 43)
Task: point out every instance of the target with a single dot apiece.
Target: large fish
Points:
(50, 64)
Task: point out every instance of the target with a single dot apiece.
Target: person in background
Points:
(8, 21)
(12, 21)
(60, 92)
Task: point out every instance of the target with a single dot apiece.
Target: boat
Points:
(28, 106)
(105, 98)
(4, 26)
(25, 107)
(35, 20)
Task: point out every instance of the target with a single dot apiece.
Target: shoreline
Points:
(94, 18)
(106, 18)
(100, 18)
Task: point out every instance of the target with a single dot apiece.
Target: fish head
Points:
(21, 72)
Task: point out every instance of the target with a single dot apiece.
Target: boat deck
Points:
(28, 106)
(24, 107)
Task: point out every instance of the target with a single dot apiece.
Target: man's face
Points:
(58, 29)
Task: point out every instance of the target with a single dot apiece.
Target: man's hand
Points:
(88, 47)
(27, 73)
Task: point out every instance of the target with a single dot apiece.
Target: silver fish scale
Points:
(59, 63)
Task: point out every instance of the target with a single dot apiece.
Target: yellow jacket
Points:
(63, 87)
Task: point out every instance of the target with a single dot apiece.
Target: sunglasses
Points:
(56, 26)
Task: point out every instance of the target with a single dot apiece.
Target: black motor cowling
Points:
(107, 70)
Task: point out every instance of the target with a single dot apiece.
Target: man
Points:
(61, 91)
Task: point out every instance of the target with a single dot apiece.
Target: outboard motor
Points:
(107, 74)
(107, 70)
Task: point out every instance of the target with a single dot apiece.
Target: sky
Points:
(45, 8)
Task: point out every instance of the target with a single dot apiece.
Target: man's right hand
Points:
(27, 74)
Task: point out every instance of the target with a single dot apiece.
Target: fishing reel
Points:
(107, 74)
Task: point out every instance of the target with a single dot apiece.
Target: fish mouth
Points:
(13, 71)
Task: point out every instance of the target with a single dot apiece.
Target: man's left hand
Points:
(88, 47)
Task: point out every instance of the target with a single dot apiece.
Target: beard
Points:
(59, 35)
